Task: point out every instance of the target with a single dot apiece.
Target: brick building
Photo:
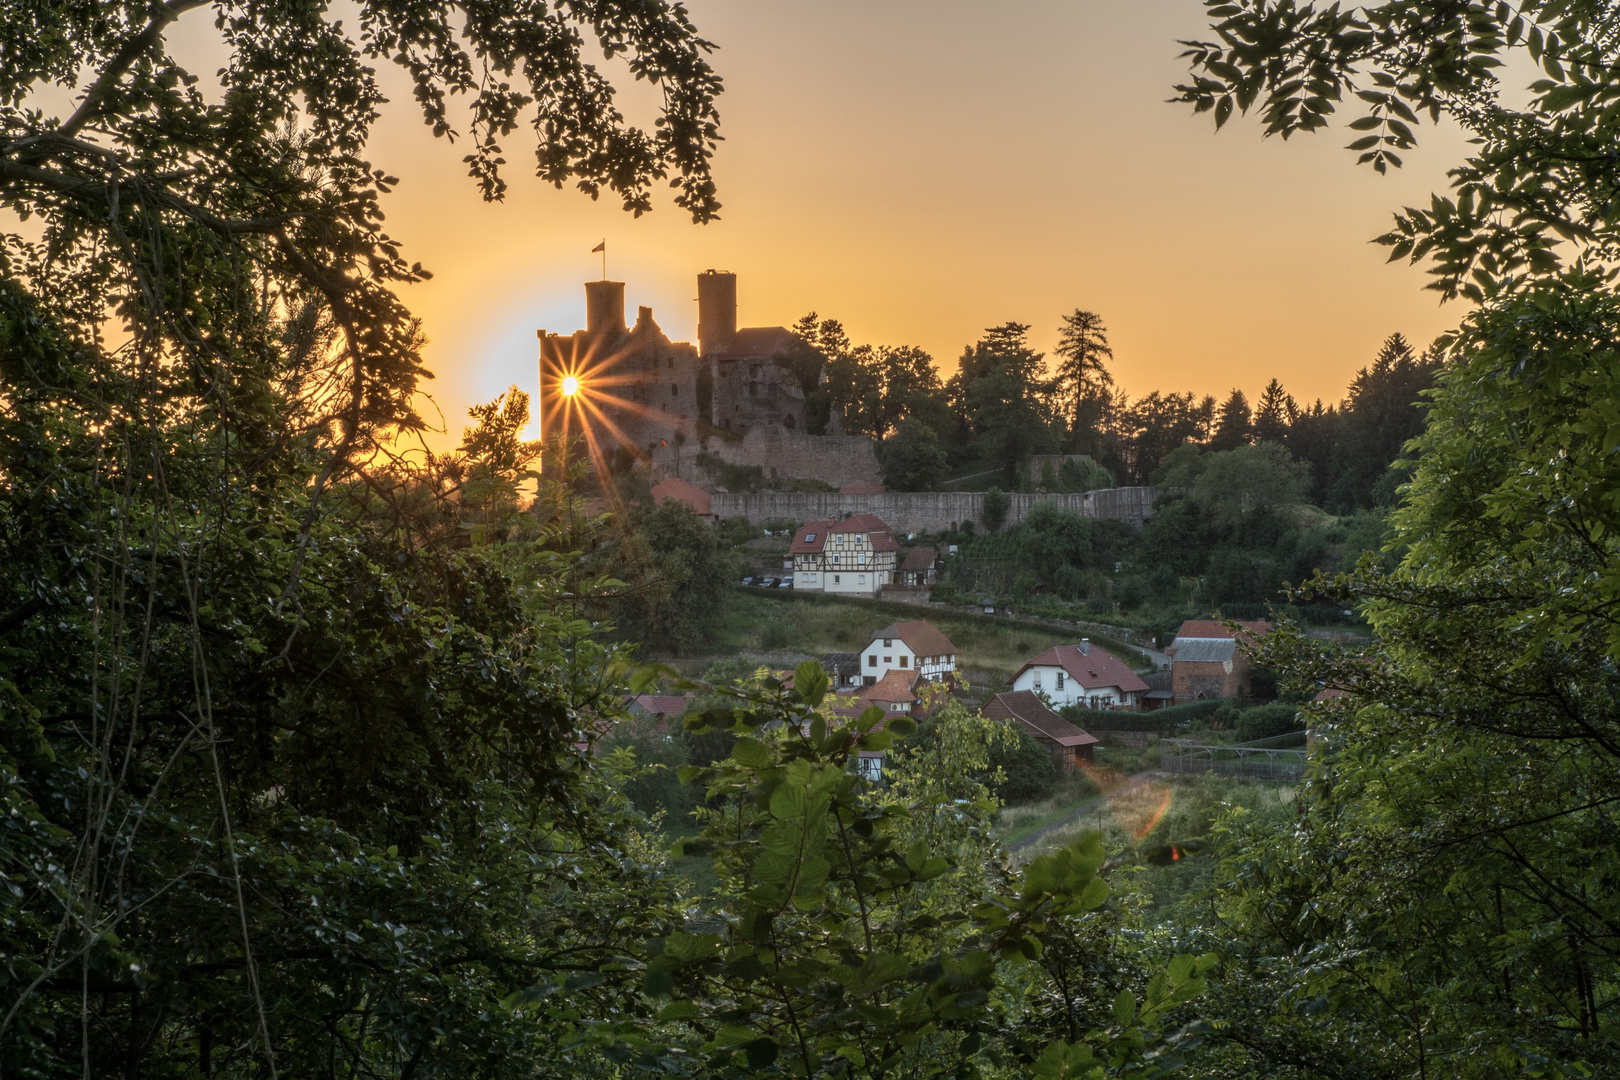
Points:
(1208, 660)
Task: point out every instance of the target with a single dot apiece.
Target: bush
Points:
(737, 531)
(1165, 721)
(1029, 771)
(1268, 721)
(659, 787)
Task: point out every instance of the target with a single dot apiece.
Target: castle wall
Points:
(782, 453)
(924, 511)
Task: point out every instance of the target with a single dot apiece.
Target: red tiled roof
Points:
(923, 638)
(685, 491)
(1093, 670)
(1027, 708)
(757, 343)
(810, 537)
(882, 536)
(667, 705)
(895, 686)
(1215, 628)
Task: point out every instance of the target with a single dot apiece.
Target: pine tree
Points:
(1275, 415)
(1232, 428)
(1081, 376)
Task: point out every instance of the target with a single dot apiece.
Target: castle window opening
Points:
(674, 389)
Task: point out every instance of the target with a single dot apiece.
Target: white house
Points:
(913, 648)
(856, 555)
(1082, 675)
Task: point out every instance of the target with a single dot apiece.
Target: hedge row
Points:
(1163, 721)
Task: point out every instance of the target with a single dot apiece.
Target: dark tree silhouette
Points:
(1232, 426)
(1081, 375)
(1275, 414)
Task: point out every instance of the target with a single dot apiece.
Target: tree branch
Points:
(121, 63)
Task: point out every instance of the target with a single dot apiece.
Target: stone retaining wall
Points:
(927, 511)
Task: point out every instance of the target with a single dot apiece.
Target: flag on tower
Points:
(599, 247)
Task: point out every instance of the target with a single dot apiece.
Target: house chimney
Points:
(1085, 646)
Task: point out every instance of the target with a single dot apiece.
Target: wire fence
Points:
(1280, 758)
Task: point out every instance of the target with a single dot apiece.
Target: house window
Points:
(887, 660)
(838, 579)
(903, 661)
(1060, 680)
(1037, 680)
(863, 556)
(888, 643)
(871, 661)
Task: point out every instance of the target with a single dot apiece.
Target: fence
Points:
(1263, 759)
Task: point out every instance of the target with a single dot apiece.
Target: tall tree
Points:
(1232, 423)
(1382, 410)
(1082, 373)
(1274, 414)
(287, 740)
(1000, 389)
(1470, 774)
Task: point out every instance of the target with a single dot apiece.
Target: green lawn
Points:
(815, 623)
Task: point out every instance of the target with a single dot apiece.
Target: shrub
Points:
(1165, 721)
(1029, 771)
(1267, 721)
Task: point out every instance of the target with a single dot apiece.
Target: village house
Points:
(1068, 744)
(917, 569)
(915, 647)
(1082, 675)
(855, 555)
(1208, 660)
(661, 708)
(896, 694)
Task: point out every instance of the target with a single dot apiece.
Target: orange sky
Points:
(924, 170)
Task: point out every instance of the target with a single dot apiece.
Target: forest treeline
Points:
(296, 717)
(1007, 402)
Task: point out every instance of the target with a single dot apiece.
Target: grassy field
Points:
(1135, 819)
(816, 623)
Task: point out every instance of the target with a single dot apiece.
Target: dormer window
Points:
(809, 538)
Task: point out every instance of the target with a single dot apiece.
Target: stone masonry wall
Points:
(839, 460)
(924, 511)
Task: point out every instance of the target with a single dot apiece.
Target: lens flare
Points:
(570, 386)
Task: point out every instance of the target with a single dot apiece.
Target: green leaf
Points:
(1124, 1008)
(810, 682)
(788, 802)
(750, 753)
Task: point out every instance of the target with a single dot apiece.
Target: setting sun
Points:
(570, 386)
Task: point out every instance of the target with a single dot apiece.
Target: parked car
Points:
(747, 581)
(785, 583)
(767, 583)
